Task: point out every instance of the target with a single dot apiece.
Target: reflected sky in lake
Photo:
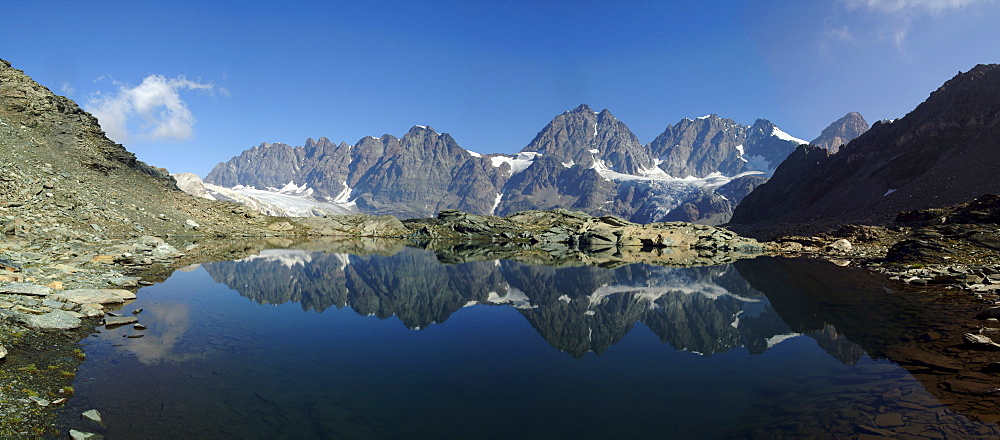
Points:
(296, 344)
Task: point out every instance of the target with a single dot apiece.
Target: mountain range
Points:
(696, 170)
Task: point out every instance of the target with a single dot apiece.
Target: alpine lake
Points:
(335, 343)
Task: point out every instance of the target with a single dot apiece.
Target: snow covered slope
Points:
(288, 201)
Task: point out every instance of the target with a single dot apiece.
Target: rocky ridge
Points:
(941, 153)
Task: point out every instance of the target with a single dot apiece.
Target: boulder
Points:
(94, 296)
(980, 342)
(841, 245)
(54, 320)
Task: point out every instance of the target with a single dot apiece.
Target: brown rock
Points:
(103, 259)
(969, 387)
(889, 420)
(916, 356)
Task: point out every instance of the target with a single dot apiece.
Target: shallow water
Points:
(296, 344)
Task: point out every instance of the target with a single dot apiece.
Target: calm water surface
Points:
(296, 344)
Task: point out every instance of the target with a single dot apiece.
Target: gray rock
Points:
(124, 281)
(26, 289)
(165, 251)
(841, 245)
(93, 416)
(191, 224)
(111, 321)
(40, 401)
(3, 352)
(94, 296)
(54, 320)
(81, 435)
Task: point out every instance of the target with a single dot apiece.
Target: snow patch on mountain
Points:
(776, 132)
(496, 203)
(518, 163)
(290, 200)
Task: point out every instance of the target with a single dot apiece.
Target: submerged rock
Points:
(81, 435)
(93, 416)
(119, 320)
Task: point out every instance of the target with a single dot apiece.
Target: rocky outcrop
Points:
(941, 153)
(841, 132)
(357, 225)
(566, 235)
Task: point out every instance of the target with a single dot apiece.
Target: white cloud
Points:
(911, 6)
(67, 88)
(151, 110)
(890, 21)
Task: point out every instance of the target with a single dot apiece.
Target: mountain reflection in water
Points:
(576, 309)
(761, 348)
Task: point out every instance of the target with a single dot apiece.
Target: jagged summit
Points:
(841, 131)
(583, 137)
(942, 153)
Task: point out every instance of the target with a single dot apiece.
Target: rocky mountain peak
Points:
(699, 147)
(588, 139)
(841, 131)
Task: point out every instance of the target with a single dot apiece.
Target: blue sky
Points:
(188, 84)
